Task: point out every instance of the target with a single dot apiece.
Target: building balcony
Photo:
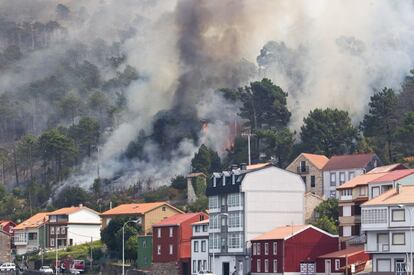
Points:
(346, 198)
(302, 169)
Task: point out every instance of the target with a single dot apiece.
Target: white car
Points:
(7, 267)
(46, 269)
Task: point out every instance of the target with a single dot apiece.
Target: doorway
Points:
(226, 268)
(327, 266)
(186, 268)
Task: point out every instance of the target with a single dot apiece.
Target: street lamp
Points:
(212, 263)
(123, 242)
(410, 210)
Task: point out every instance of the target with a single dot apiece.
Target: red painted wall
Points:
(320, 264)
(307, 246)
(354, 259)
(181, 241)
(303, 247)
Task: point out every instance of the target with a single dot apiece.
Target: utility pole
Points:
(91, 253)
(248, 134)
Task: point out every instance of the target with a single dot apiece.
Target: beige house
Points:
(148, 213)
(309, 167)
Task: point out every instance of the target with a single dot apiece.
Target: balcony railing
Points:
(302, 169)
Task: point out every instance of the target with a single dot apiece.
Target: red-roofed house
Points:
(30, 235)
(290, 249)
(358, 190)
(341, 261)
(73, 225)
(172, 243)
(309, 167)
(7, 226)
(149, 213)
(340, 169)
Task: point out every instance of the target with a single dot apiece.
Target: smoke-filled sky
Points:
(324, 53)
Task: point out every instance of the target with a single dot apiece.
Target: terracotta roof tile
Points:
(281, 232)
(363, 179)
(34, 221)
(351, 250)
(387, 168)
(392, 197)
(135, 208)
(177, 219)
(318, 160)
(395, 175)
(348, 161)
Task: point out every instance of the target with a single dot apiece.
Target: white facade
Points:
(247, 205)
(199, 248)
(388, 236)
(334, 178)
(377, 188)
(84, 226)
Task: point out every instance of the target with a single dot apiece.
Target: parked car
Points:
(7, 267)
(46, 269)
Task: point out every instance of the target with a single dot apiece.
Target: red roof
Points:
(285, 232)
(318, 160)
(388, 168)
(352, 250)
(177, 219)
(394, 175)
(348, 161)
(136, 208)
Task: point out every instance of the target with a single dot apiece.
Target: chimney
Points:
(243, 166)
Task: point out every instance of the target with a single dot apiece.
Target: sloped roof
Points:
(349, 251)
(201, 222)
(318, 160)
(394, 175)
(70, 210)
(281, 232)
(363, 179)
(34, 221)
(257, 165)
(177, 219)
(387, 168)
(393, 197)
(135, 208)
(348, 161)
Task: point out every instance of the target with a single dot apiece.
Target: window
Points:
(52, 242)
(57, 230)
(213, 202)
(254, 249)
(223, 200)
(235, 240)
(351, 175)
(63, 230)
(258, 248)
(204, 264)
(303, 166)
(375, 191)
(235, 220)
(374, 216)
(266, 265)
(213, 243)
(346, 211)
(205, 228)
(199, 265)
(158, 249)
(172, 232)
(234, 200)
(341, 177)
(171, 249)
(197, 228)
(313, 184)
(164, 208)
(52, 230)
(337, 264)
(32, 236)
(274, 266)
(398, 215)
(398, 238)
(203, 246)
(223, 220)
(266, 248)
(195, 246)
(214, 222)
(332, 194)
(159, 232)
(362, 191)
(194, 266)
(347, 231)
(333, 179)
(144, 243)
(258, 264)
(274, 248)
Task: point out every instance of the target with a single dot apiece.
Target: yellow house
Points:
(148, 213)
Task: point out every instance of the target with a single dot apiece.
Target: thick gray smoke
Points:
(324, 53)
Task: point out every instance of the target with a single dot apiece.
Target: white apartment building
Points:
(199, 247)
(73, 225)
(340, 169)
(386, 221)
(244, 204)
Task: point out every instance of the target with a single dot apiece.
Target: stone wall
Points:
(5, 249)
